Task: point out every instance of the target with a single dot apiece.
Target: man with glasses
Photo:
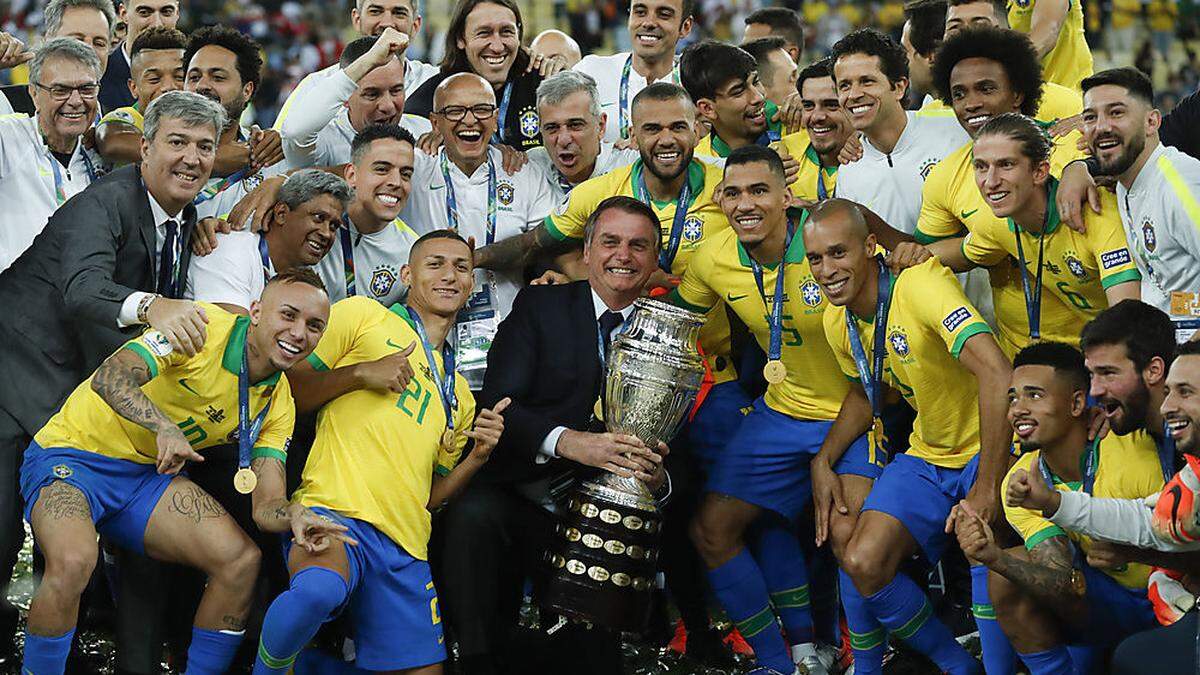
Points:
(465, 188)
(42, 162)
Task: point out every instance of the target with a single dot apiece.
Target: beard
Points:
(1132, 148)
(650, 165)
(1135, 410)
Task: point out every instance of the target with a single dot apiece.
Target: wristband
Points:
(144, 306)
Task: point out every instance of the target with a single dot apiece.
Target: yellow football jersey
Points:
(1070, 60)
(198, 393)
(929, 321)
(1127, 467)
(1058, 102)
(1077, 268)
(704, 220)
(376, 452)
(721, 272)
(128, 115)
(951, 205)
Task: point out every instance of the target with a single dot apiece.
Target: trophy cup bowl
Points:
(603, 561)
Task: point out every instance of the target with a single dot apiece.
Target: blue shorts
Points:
(718, 418)
(121, 494)
(392, 604)
(1113, 611)
(766, 463)
(920, 495)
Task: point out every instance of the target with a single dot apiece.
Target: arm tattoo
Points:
(195, 504)
(1046, 573)
(517, 252)
(119, 380)
(59, 501)
(233, 622)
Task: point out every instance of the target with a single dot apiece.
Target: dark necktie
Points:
(609, 321)
(166, 261)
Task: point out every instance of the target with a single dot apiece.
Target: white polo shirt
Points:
(607, 71)
(1161, 215)
(33, 183)
(233, 274)
(415, 74)
(609, 158)
(317, 130)
(377, 259)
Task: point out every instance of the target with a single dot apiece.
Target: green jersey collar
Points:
(695, 179)
(1052, 218)
(810, 153)
(231, 360)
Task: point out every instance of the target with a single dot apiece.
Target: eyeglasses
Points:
(61, 92)
(456, 113)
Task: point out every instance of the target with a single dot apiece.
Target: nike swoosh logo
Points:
(183, 383)
(436, 187)
(967, 214)
(608, 104)
(734, 298)
(393, 344)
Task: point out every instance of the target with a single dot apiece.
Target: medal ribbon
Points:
(60, 193)
(452, 201)
(502, 113)
(871, 375)
(775, 310)
(1091, 463)
(666, 257)
(265, 255)
(1166, 454)
(623, 103)
(214, 189)
(1033, 297)
(348, 256)
(247, 431)
(444, 385)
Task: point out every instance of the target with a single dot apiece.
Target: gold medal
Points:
(244, 481)
(775, 371)
(598, 410)
(448, 439)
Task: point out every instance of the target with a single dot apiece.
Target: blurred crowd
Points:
(1158, 36)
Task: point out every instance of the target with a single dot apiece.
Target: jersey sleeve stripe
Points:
(966, 333)
(1042, 535)
(1120, 278)
(924, 239)
(146, 356)
(316, 362)
(1181, 189)
(676, 298)
(554, 231)
(441, 470)
(269, 452)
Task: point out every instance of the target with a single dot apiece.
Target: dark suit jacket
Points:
(61, 297)
(114, 85)
(545, 358)
(19, 98)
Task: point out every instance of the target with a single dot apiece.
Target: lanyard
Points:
(60, 192)
(452, 201)
(1033, 297)
(502, 113)
(214, 189)
(872, 377)
(623, 103)
(822, 191)
(348, 256)
(247, 431)
(265, 255)
(667, 256)
(775, 309)
(1166, 454)
(444, 385)
(1090, 466)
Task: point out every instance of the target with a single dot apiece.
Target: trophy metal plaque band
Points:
(603, 564)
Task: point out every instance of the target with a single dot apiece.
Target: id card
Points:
(1185, 312)
(476, 328)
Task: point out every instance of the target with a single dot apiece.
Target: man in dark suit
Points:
(111, 260)
(547, 357)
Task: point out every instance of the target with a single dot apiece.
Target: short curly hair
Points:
(1011, 49)
(244, 48)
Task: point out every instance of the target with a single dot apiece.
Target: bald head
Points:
(463, 89)
(840, 213)
(840, 252)
(557, 43)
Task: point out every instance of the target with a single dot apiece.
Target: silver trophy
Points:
(603, 565)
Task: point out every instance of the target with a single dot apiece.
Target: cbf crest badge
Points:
(693, 229)
(530, 125)
(1075, 266)
(1149, 238)
(505, 193)
(382, 280)
(899, 342)
(62, 471)
(810, 293)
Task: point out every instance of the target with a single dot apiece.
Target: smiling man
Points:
(109, 463)
(465, 188)
(139, 16)
(156, 67)
(776, 70)
(368, 89)
(302, 227)
(828, 128)
(655, 28)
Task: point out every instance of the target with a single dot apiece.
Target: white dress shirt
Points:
(128, 314)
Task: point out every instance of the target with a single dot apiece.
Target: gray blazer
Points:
(59, 301)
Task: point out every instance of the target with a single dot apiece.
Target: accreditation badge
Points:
(476, 328)
(1185, 313)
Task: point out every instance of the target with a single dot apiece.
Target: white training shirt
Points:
(27, 183)
(1161, 215)
(232, 274)
(317, 130)
(606, 71)
(415, 74)
(609, 158)
(523, 200)
(214, 204)
(378, 258)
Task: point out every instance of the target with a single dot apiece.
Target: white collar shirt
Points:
(607, 72)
